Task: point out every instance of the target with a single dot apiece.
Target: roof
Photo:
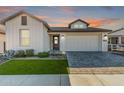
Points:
(57, 29)
(77, 21)
(116, 30)
(23, 12)
(66, 29)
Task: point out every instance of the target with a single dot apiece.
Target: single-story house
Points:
(2, 39)
(116, 40)
(26, 31)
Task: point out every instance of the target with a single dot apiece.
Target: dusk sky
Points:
(105, 17)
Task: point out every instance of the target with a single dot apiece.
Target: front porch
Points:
(55, 44)
(116, 43)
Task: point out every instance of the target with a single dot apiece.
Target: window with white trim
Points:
(24, 38)
(75, 26)
(24, 20)
(78, 26)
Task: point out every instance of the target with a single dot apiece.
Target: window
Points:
(75, 26)
(114, 40)
(78, 26)
(55, 40)
(122, 39)
(24, 38)
(24, 20)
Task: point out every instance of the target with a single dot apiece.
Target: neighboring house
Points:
(2, 39)
(116, 40)
(25, 31)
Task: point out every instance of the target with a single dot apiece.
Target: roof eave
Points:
(79, 31)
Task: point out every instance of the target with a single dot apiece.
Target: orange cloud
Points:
(92, 22)
(61, 22)
(101, 22)
(65, 21)
(42, 17)
(58, 25)
(56, 21)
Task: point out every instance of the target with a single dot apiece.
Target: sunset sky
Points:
(105, 17)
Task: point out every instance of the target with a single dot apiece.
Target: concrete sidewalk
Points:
(96, 79)
(34, 80)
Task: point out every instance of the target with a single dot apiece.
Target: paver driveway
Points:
(94, 59)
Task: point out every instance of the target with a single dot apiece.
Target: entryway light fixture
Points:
(62, 36)
(105, 37)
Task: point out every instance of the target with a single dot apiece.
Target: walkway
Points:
(34, 80)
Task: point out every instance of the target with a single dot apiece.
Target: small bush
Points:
(29, 52)
(20, 53)
(43, 54)
(10, 53)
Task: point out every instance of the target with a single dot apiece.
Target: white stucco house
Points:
(26, 31)
(116, 40)
(2, 39)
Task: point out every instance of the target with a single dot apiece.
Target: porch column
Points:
(51, 40)
(110, 40)
(119, 39)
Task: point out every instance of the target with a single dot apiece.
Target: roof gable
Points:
(117, 32)
(122, 29)
(77, 21)
(23, 12)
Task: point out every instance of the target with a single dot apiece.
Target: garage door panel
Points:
(82, 43)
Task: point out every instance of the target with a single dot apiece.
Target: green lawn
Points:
(14, 67)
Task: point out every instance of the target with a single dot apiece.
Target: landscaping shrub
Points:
(43, 54)
(20, 53)
(29, 52)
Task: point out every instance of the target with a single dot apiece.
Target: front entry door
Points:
(56, 42)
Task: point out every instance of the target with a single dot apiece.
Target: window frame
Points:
(80, 26)
(114, 40)
(20, 38)
(24, 22)
(76, 26)
(122, 39)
